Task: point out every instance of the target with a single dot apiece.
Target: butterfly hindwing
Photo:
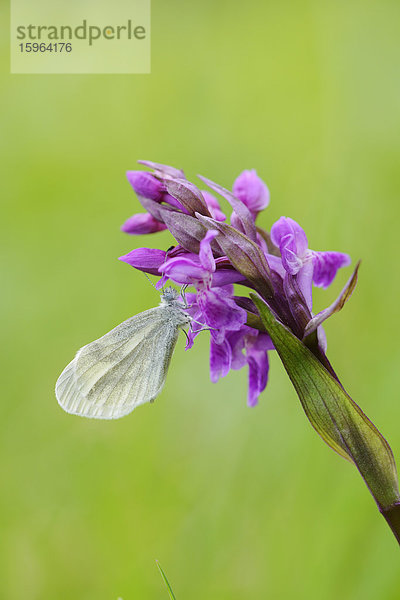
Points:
(126, 367)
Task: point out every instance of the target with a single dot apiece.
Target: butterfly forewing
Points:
(125, 368)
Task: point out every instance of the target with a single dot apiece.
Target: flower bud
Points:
(146, 185)
(142, 223)
(251, 190)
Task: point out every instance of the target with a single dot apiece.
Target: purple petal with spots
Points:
(236, 342)
(220, 359)
(326, 265)
(258, 373)
(220, 312)
(260, 341)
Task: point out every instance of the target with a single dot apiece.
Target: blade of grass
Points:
(163, 575)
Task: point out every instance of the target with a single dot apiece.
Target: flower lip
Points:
(326, 265)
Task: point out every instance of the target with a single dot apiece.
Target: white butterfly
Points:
(127, 366)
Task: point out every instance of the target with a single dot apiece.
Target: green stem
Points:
(392, 516)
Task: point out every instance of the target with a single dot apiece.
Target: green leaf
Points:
(163, 575)
(333, 414)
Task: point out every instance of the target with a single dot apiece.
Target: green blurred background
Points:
(235, 503)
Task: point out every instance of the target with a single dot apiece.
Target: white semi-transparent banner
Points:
(90, 36)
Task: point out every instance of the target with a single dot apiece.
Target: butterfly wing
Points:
(126, 367)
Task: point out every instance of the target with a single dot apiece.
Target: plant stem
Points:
(392, 516)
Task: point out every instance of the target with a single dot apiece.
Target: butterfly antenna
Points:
(148, 278)
(183, 294)
(163, 275)
(204, 325)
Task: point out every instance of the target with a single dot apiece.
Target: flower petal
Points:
(205, 253)
(145, 259)
(304, 280)
(220, 312)
(326, 265)
(185, 270)
(168, 199)
(275, 264)
(236, 342)
(220, 359)
(223, 277)
(258, 372)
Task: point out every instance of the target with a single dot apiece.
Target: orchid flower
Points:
(216, 258)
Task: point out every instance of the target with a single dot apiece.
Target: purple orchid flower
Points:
(306, 266)
(292, 242)
(212, 255)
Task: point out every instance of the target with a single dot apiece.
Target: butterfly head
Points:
(169, 296)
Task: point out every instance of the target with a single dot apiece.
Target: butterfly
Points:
(126, 367)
